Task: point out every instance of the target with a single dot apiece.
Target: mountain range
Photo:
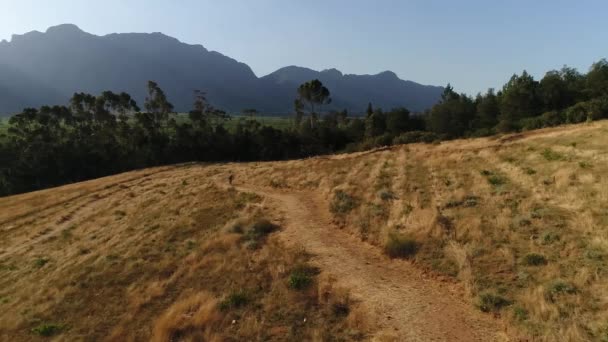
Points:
(39, 68)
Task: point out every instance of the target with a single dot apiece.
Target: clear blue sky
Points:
(473, 44)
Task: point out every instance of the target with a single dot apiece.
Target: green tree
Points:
(311, 94)
(370, 110)
(487, 110)
(375, 124)
(597, 79)
(397, 121)
(520, 98)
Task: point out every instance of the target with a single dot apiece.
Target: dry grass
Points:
(520, 221)
(153, 256)
(504, 216)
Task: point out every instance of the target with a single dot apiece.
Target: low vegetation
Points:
(473, 211)
(399, 246)
(201, 264)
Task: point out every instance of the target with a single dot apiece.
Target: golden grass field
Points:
(504, 238)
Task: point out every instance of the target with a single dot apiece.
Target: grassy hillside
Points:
(516, 225)
(521, 221)
(162, 254)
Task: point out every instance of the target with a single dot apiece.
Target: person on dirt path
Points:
(230, 178)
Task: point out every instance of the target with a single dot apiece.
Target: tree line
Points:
(94, 136)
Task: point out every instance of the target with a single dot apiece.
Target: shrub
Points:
(552, 118)
(340, 309)
(400, 246)
(551, 155)
(492, 302)
(257, 232)
(549, 238)
(234, 300)
(343, 202)
(263, 227)
(597, 109)
(496, 180)
(557, 288)
(534, 259)
(301, 277)
(528, 124)
(585, 165)
(529, 171)
(48, 329)
(386, 195)
(40, 262)
(385, 139)
(416, 137)
(576, 113)
(278, 184)
(520, 313)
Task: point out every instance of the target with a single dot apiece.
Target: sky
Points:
(474, 44)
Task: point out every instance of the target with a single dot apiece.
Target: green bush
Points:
(597, 109)
(576, 113)
(40, 262)
(400, 246)
(256, 233)
(497, 180)
(492, 302)
(520, 313)
(386, 195)
(343, 203)
(48, 329)
(534, 259)
(301, 277)
(551, 155)
(557, 288)
(234, 300)
(416, 137)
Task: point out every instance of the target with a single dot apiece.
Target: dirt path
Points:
(407, 306)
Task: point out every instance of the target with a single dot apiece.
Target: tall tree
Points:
(597, 79)
(487, 110)
(312, 93)
(519, 99)
(370, 110)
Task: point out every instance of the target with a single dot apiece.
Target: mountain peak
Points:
(64, 29)
(388, 74)
(333, 72)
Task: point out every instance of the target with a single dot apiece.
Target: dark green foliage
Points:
(340, 309)
(489, 302)
(40, 262)
(302, 277)
(401, 246)
(496, 180)
(520, 313)
(48, 329)
(415, 137)
(234, 300)
(551, 155)
(534, 259)
(256, 232)
(559, 288)
(343, 203)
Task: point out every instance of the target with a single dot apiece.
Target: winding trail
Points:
(406, 305)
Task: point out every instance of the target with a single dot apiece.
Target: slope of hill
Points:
(512, 226)
(47, 68)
